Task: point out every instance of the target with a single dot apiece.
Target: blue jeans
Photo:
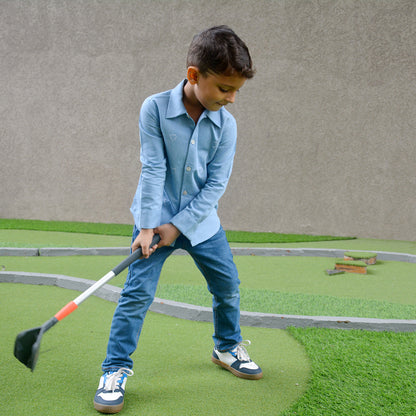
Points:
(215, 261)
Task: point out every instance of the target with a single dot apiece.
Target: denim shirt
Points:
(185, 167)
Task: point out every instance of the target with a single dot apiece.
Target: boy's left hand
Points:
(168, 234)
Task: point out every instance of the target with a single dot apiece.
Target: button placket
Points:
(187, 185)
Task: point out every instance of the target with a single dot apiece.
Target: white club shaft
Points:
(84, 295)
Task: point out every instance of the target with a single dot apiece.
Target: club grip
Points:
(133, 257)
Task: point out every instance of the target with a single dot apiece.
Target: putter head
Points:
(27, 345)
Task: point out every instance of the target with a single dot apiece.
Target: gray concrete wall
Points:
(326, 128)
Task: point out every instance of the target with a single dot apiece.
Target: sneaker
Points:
(238, 362)
(109, 397)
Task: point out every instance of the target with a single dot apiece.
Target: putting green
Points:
(173, 371)
(38, 239)
(283, 285)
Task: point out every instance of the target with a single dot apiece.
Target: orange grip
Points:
(66, 310)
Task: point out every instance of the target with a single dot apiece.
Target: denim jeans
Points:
(215, 261)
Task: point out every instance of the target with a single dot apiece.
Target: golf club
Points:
(27, 344)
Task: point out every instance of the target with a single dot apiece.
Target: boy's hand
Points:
(168, 234)
(143, 240)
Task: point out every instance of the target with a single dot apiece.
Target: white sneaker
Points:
(109, 397)
(238, 362)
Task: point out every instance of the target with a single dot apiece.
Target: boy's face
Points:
(216, 90)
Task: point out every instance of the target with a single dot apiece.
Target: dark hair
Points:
(219, 50)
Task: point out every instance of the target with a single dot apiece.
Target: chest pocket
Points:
(207, 141)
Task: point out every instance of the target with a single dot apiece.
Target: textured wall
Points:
(326, 128)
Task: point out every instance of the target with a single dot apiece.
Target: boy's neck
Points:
(191, 103)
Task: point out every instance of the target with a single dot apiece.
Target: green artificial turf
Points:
(276, 302)
(283, 285)
(261, 238)
(358, 255)
(126, 230)
(353, 372)
(67, 226)
(40, 239)
(350, 373)
(358, 373)
(173, 371)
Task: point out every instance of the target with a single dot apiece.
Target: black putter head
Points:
(26, 346)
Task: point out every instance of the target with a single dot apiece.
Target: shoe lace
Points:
(242, 354)
(116, 378)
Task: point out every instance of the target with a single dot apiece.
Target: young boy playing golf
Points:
(188, 141)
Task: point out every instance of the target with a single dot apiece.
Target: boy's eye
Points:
(226, 90)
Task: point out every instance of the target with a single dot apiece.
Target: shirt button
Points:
(192, 141)
(185, 193)
(188, 168)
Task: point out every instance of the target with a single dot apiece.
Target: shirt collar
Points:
(215, 116)
(176, 107)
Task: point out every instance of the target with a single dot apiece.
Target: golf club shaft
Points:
(71, 306)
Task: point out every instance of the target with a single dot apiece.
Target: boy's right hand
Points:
(143, 240)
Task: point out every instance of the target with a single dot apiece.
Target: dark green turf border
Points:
(126, 230)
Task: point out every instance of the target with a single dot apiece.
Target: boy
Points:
(188, 142)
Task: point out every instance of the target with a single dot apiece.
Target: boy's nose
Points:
(231, 97)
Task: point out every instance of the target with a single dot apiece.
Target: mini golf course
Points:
(307, 371)
(173, 371)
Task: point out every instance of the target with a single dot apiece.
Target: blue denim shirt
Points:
(185, 167)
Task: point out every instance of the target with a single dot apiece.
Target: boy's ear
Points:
(192, 74)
